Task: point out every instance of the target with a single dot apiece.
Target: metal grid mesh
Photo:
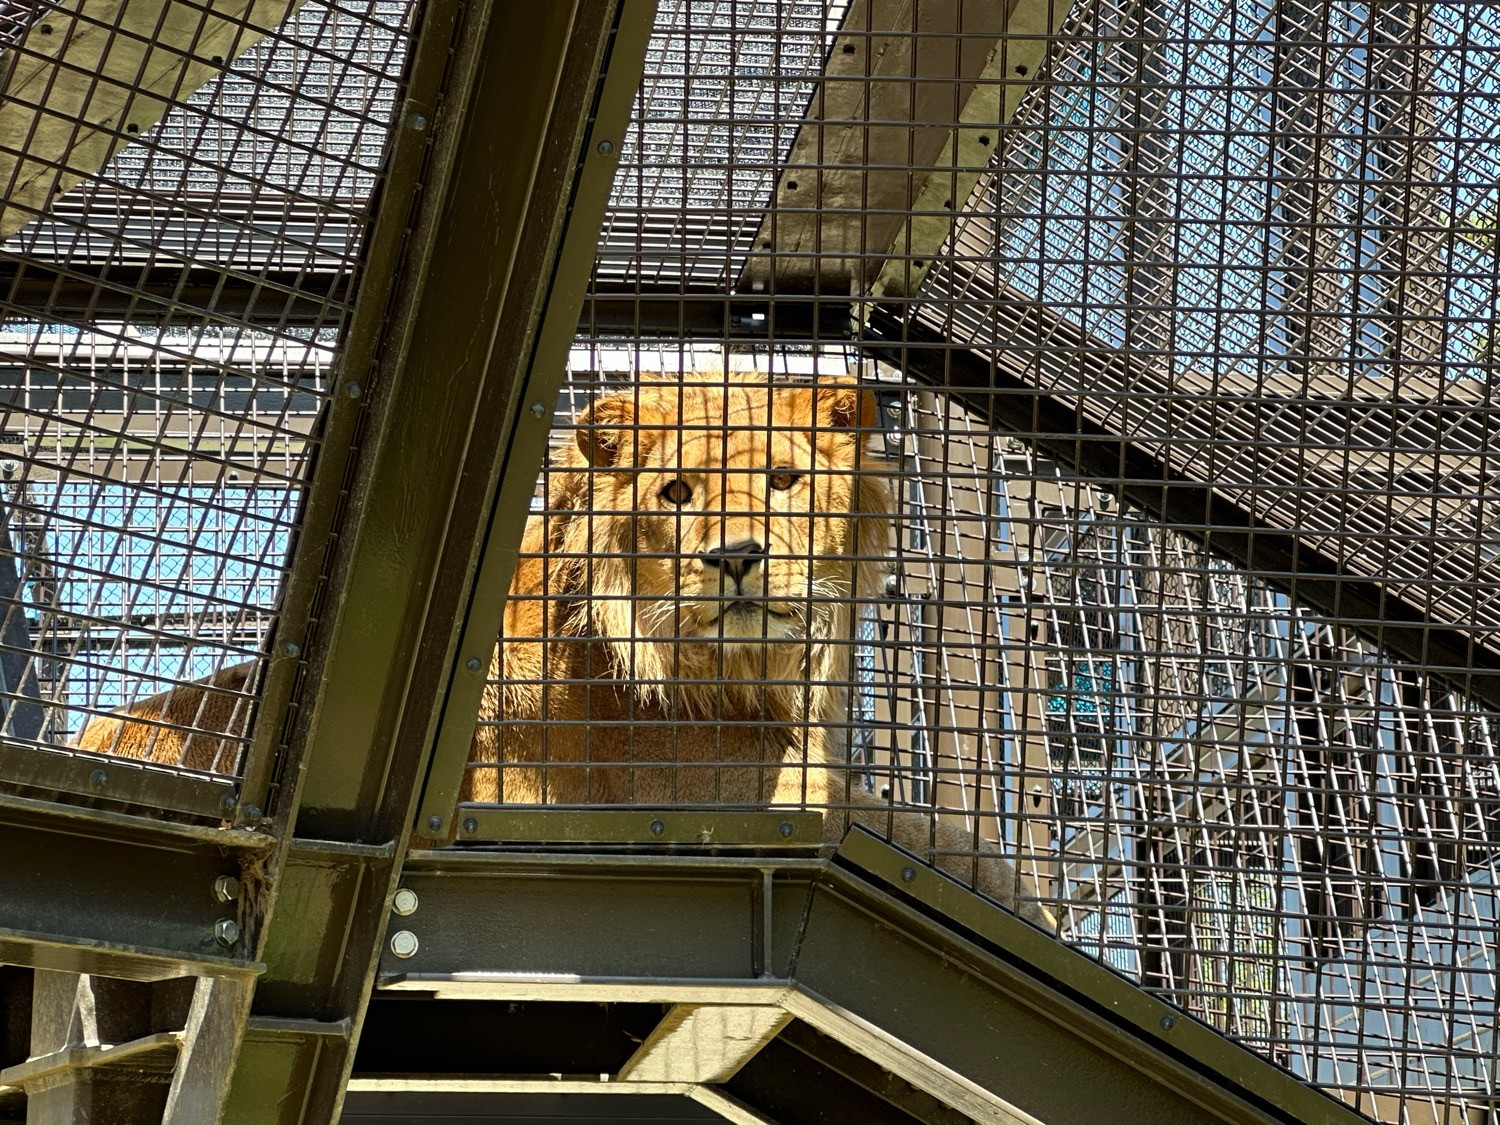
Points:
(1250, 241)
(168, 330)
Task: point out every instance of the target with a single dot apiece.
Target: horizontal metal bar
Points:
(120, 781)
(511, 1084)
(639, 826)
(118, 895)
(88, 1058)
(845, 946)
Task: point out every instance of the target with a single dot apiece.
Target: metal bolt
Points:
(786, 827)
(291, 648)
(99, 778)
(1167, 1022)
(658, 827)
(474, 664)
(352, 390)
(908, 874)
(471, 826)
(9, 467)
(435, 823)
(226, 931)
(538, 410)
(417, 121)
(404, 944)
(606, 147)
(228, 802)
(226, 888)
(252, 812)
(405, 902)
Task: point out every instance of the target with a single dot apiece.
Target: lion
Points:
(679, 630)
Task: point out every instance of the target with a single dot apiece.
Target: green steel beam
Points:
(937, 998)
(90, 891)
(497, 178)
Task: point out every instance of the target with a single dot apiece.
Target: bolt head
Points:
(404, 944)
(474, 664)
(1167, 1023)
(417, 122)
(352, 390)
(226, 888)
(405, 902)
(538, 410)
(471, 826)
(606, 147)
(658, 827)
(226, 931)
(786, 828)
(229, 802)
(291, 648)
(435, 823)
(99, 779)
(908, 874)
(252, 812)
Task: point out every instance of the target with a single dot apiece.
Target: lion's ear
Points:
(609, 430)
(844, 404)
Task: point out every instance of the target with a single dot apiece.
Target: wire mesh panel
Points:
(168, 329)
(1137, 295)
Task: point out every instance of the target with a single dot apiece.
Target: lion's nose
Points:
(736, 559)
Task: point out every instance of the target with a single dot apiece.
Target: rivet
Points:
(435, 823)
(1167, 1022)
(405, 902)
(352, 390)
(538, 410)
(291, 648)
(99, 778)
(606, 147)
(908, 874)
(417, 121)
(226, 931)
(226, 888)
(658, 827)
(404, 944)
(471, 826)
(786, 827)
(474, 664)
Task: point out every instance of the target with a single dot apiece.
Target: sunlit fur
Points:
(629, 671)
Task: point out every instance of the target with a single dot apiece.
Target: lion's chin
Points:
(747, 622)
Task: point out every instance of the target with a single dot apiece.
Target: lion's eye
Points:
(676, 492)
(781, 481)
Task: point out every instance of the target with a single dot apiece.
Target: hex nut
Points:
(405, 902)
(227, 931)
(404, 944)
(226, 888)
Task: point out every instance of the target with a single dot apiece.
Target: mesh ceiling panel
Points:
(167, 335)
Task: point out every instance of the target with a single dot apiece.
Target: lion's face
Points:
(732, 516)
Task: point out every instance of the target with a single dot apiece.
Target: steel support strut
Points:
(496, 170)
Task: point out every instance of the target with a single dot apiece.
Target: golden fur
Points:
(634, 668)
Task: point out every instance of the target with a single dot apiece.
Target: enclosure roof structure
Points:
(396, 318)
